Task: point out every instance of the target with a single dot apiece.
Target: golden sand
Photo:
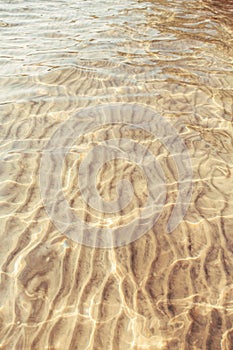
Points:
(163, 291)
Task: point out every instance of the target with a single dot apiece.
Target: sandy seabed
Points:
(163, 291)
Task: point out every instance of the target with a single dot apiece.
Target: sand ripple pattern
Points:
(163, 291)
(133, 116)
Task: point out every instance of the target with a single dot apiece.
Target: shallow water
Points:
(164, 290)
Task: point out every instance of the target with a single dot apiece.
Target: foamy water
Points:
(168, 291)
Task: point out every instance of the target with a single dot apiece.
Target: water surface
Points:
(163, 291)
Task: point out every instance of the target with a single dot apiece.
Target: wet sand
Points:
(163, 291)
